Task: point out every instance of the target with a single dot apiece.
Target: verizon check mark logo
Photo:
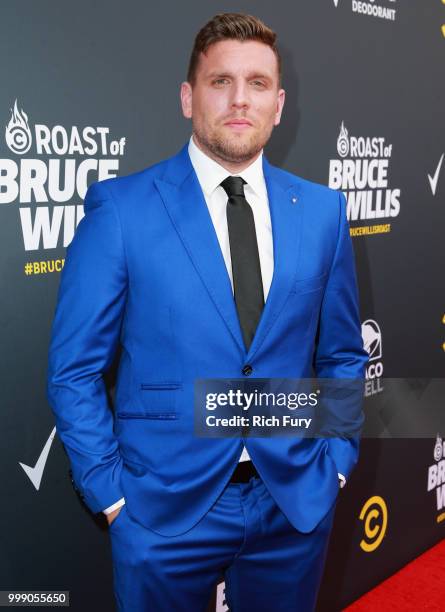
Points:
(35, 472)
(433, 179)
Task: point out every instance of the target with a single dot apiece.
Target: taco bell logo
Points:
(372, 343)
(17, 134)
(372, 339)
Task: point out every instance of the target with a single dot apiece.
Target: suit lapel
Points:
(286, 206)
(183, 198)
(188, 212)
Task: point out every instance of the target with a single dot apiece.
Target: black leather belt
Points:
(244, 472)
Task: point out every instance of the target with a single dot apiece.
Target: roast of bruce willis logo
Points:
(48, 173)
(362, 173)
(436, 477)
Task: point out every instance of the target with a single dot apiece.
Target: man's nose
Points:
(240, 95)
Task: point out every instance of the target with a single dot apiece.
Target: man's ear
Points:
(280, 104)
(186, 99)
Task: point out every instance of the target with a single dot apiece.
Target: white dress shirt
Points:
(210, 176)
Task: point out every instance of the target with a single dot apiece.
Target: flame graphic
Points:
(438, 450)
(343, 141)
(17, 134)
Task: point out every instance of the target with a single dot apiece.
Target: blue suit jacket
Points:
(145, 269)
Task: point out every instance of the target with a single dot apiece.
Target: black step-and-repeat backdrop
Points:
(91, 90)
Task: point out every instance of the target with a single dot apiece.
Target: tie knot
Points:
(234, 186)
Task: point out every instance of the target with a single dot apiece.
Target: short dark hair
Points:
(231, 26)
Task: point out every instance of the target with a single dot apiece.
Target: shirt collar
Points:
(211, 174)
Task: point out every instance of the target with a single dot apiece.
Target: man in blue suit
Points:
(211, 264)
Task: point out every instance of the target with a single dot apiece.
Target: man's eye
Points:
(220, 81)
(258, 83)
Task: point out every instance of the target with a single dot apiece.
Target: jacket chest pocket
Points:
(305, 302)
(157, 400)
(308, 285)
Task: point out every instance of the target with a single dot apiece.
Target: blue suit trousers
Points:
(267, 563)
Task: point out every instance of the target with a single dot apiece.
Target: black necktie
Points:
(246, 271)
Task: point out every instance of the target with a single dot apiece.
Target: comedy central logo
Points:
(361, 172)
(50, 183)
(372, 343)
(443, 321)
(374, 516)
(436, 477)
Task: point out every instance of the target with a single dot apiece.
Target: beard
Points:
(234, 149)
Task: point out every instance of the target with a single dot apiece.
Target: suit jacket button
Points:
(247, 370)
